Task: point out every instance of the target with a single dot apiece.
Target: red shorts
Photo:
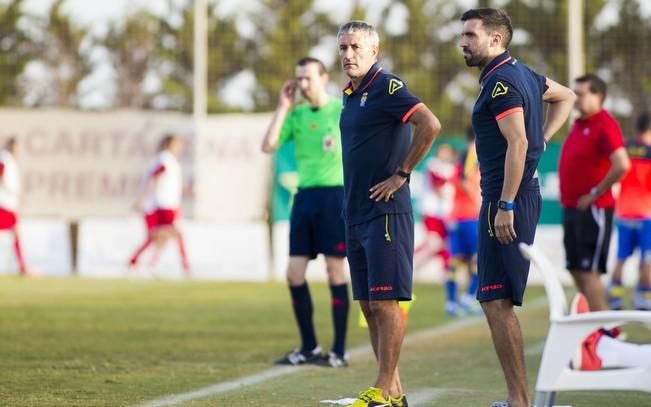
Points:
(161, 217)
(7, 219)
(435, 225)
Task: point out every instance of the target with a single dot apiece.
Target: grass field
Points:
(72, 342)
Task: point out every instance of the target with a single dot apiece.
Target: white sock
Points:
(614, 353)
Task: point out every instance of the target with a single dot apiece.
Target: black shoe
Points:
(298, 357)
(331, 359)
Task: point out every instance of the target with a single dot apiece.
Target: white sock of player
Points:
(614, 353)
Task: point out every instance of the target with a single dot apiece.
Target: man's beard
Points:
(474, 60)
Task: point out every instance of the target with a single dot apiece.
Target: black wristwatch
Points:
(403, 174)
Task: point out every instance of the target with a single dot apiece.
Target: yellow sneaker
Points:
(371, 398)
(399, 402)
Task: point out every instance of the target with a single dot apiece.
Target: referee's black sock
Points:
(340, 306)
(302, 302)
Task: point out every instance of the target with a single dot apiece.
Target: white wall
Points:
(45, 244)
(229, 252)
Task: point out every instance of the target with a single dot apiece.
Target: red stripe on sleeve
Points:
(508, 112)
(411, 111)
(158, 171)
(2, 169)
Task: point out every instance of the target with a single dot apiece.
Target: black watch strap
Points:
(403, 174)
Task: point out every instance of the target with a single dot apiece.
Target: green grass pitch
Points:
(73, 342)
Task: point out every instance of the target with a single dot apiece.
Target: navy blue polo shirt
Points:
(507, 86)
(375, 139)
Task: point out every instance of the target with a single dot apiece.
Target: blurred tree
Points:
(358, 12)
(426, 55)
(15, 51)
(63, 55)
(131, 45)
(620, 53)
(286, 31)
(228, 54)
(163, 47)
(175, 50)
(542, 30)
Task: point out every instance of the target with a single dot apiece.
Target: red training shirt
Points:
(585, 158)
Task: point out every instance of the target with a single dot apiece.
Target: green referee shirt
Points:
(317, 143)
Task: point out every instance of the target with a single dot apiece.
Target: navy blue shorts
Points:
(316, 225)
(502, 270)
(463, 237)
(380, 254)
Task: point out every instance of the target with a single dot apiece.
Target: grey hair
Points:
(367, 29)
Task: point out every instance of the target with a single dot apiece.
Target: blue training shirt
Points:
(375, 139)
(507, 86)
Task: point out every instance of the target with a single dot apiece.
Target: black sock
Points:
(340, 306)
(302, 302)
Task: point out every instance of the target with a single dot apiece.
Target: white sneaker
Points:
(470, 305)
(642, 300)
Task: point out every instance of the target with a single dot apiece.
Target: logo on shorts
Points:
(499, 90)
(380, 288)
(491, 287)
(362, 101)
(394, 85)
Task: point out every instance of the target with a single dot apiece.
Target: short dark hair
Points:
(644, 122)
(167, 139)
(596, 84)
(10, 143)
(311, 60)
(494, 20)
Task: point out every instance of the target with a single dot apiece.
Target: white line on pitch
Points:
(423, 396)
(275, 372)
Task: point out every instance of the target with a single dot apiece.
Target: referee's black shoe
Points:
(299, 357)
(331, 359)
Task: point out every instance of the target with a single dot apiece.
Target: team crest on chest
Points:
(362, 101)
(499, 90)
(328, 143)
(394, 85)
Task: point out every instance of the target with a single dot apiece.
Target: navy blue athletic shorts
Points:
(380, 254)
(502, 270)
(316, 225)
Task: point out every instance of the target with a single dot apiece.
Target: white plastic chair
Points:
(566, 332)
